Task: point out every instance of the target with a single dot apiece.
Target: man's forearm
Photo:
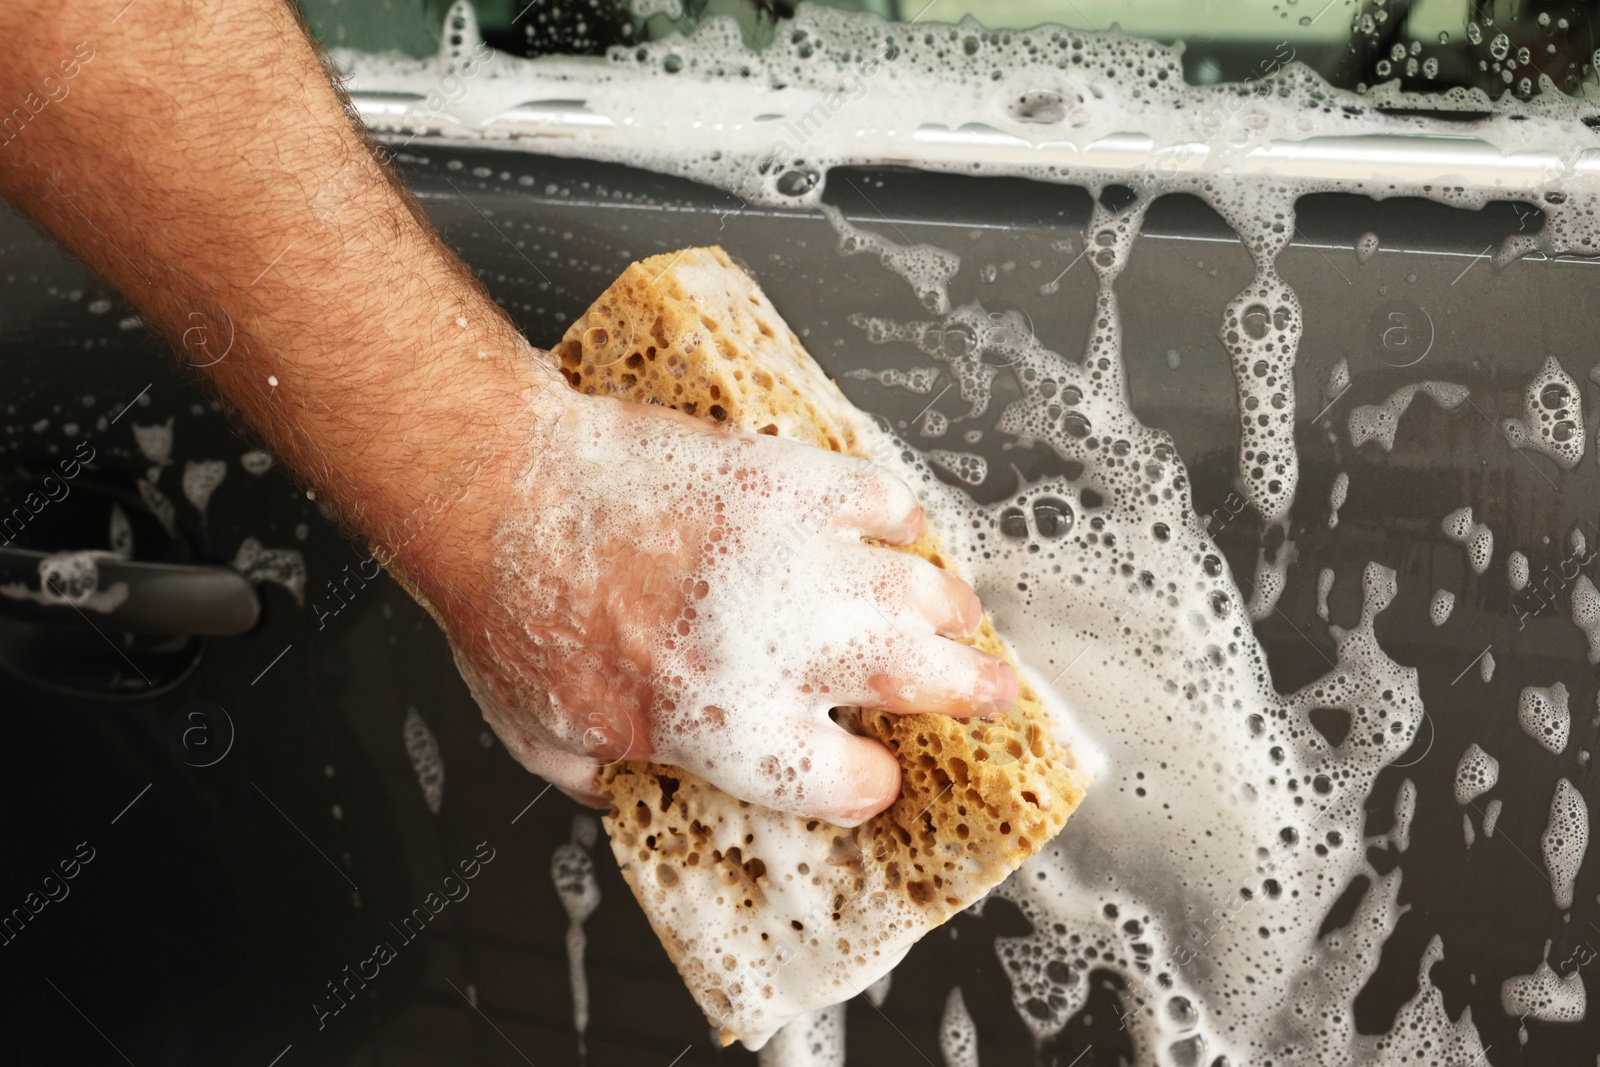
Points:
(201, 161)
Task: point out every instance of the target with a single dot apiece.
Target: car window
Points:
(1498, 46)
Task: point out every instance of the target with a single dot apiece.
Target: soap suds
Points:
(1544, 716)
(1479, 541)
(1379, 422)
(1565, 839)
(1440, 607)
(572, 870)
(1476, 774)
(958, 1036)
(422, 748)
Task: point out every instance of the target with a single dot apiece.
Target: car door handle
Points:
(129, 596)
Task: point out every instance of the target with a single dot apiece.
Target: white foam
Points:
(1565, 839)
(813, 1040)
(1336, 497)
(1544, 995)
(1440, 607)
(1466, 828)
(1324, 587)
(1366, 247)
(1405, 810)
(1544, 716)
(1586, 613)
(1379, 422)
(572, 870)
(200, 480)
(1476, 774)
(1478, 539)
(1491, 816)
(1552, 420)
(1517, 571)
(422, 748)
(958, 1035)
(72, 578)
(155, 442)
(282, 566)
(1486, 666)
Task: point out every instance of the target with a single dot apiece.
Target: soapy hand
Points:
(667, 590)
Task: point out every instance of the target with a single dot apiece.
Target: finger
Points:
(946, 679)
(805, 766)
(573, 775)
(861, 499)
(934, 596)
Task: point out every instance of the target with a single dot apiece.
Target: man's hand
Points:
(625, 614)
(577, 552)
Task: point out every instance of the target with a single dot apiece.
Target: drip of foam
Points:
(1552, 420)
(1491, 816)
(918, 380)
(1478, 539)
(1544, 716)
(1440, 607)
(1336, 497)
(968, 467)
(422, 748)
(121, 537)
(1517, 571)
(256, 462)
(1124, 587)
(1486, 667)
(1586, 612)
(1405, 810)
(1338, 380)
(1366, 247)
(1544, 995)
(1378, 422)
(1565, 839)
(159, 505)
(815, 1039)
(958, 1036)
(1466, 828)
(200, 480)
(572, 870)
(878, 991)
(1324, 587)
(72, 578)
(282, 566)
(1476, 774)
(155, 442)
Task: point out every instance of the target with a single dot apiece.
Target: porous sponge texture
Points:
(766, 914)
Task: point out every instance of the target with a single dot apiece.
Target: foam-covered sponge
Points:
(769, 915)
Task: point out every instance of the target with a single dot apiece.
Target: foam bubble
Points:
(1476, 774)
(1552, 420)
(1544, 995)
(815, 1039)
(1478, 539)
(1440, 607)
(958, 1035)
(1544, 716)
(1586, 613)
(1565, 839)
(1336, 497)
(1517, 571)
(422, 748)
(572, 870)
(1379, 422)
(1366, 247)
